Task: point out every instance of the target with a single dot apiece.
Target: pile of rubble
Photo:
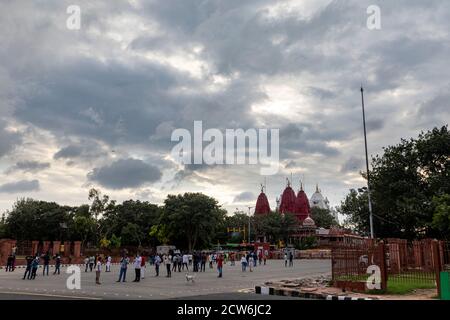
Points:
(304, 283)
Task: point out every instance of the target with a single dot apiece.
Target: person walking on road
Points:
(168, 261)
(98, 270)
(108, 264)
(185, 261)
(157, 264)
(291, 259)
(203, 263)
(34, 267)
(219, 261)
(86, 263)
(27, 273)
(9, 263)
(250, 263)
(285, 260)
(46, 263)
(137, 268)
(243, 263)
(57, 264)
(174, 263)
(123, 268)
(91, 263)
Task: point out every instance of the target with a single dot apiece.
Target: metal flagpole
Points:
(367, 165)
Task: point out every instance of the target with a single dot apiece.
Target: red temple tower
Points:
(262, 204)
(288, 200)
(302, 208)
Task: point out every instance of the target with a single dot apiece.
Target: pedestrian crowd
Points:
(172, 262)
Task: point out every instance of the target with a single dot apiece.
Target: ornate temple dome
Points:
(288, 199)
(309, 222)
(317, 200)
(262, 204)
(302, 208)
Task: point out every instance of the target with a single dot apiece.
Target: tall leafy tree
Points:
(404, 180)
(323, 218)
(192, 217)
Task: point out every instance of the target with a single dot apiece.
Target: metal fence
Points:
(401, 263)
(23, 248)
(351, 261)
(412, 263)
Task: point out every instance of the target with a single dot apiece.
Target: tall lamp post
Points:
(367, 164)
(249, 215)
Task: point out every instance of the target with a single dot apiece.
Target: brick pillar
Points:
(437, 265)
(5, 251)
(77, 249)
(34, 247)
(46, 247)
(56, 247)
(66, 248)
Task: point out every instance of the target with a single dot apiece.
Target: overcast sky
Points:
(96, 107)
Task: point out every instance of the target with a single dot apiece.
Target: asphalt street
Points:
(235, 284)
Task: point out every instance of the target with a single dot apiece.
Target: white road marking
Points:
(47, 295)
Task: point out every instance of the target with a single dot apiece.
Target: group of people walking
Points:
(172, 262)
(33, 265)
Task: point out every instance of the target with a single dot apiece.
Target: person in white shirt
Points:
(243, 263)
(137, 268)
(157, 263)
(185, 261)
(250, 262)
(98, 270)
(168, 261)
(108, 264)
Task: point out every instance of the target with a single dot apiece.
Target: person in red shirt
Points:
(219, 261)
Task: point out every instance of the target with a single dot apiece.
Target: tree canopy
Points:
(404, 180)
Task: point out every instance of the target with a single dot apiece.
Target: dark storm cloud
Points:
(20, 186)
(28, 166)
(352, 165)
(8, 140)
(304, 139)
(121, 94)
(84, 150)
(125, 173)
(244, 197)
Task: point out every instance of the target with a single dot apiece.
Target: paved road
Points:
(206, 284)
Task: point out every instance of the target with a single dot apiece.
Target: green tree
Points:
(83, 226)
(161, 233)
(37, 220)
(143, 214)
(441, 217)
(116, 242)
(323, 218)
(404, 180)
(192, 217)
(276, 227)
(3, 233)
(132, 234)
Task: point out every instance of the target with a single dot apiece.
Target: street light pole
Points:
(367, 165)
(249, 208)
